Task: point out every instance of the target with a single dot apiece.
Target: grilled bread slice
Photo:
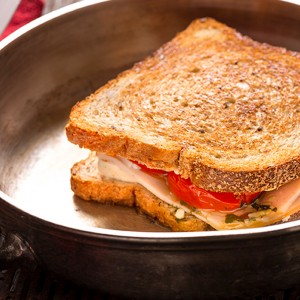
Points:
(90, 182)
(211, 104)
(87, 183)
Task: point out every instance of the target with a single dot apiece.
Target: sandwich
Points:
(201, 135)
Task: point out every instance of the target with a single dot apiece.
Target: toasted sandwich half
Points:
(205, 133)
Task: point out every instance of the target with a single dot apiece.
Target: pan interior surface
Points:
(55, 63)
(39, 175)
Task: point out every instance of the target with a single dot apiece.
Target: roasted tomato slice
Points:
(203, 199)
(148, 170)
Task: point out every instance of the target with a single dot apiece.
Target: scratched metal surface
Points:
(20, 284)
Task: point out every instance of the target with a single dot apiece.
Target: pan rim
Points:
(236, 234)
(47, 18)
(69, 9)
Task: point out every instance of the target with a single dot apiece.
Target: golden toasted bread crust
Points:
(212, 104)
(88, 185)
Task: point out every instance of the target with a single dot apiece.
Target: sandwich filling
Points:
(254, 210)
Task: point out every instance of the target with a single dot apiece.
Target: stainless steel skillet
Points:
(49, 65)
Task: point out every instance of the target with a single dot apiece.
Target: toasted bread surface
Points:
(87, 183)
(212, 104)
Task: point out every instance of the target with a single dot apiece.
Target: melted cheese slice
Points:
(270, 208)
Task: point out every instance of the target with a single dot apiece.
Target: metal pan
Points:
(59, 59)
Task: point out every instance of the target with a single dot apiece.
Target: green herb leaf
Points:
(260, 207)
(230, 218)
(191, 208)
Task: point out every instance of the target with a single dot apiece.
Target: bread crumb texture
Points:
(212, 104)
